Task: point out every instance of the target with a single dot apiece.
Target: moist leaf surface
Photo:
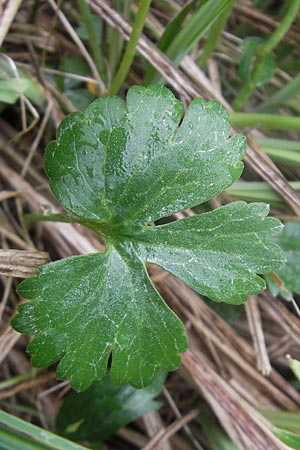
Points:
(216, 253)
(117, 167)
(87, 306)
(119, 164)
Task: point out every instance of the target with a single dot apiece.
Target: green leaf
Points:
(11, 87)
(136, 165)
(216, 253)
(117, 167)
(104, 302)
(104, 408)
(249, 51)
(290, 439)
(289, 241)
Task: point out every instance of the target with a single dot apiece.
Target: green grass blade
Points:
(265, 121)
(287, 92)
(201, 21)
(290, 158)
(253, 191)
(17, 434)
(129, 53)
(168, 36)
(283, 419)
(214, 435)
(215, 34)
(281, 144)
(92, 33)
(114, 40)
(291, 439)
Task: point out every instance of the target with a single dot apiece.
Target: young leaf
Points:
(117, 167)
(250, 47)
(104, 408)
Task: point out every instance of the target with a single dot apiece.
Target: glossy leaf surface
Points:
(105, 302)
(216, 253)
(104, 408)
(116, 167)
(120, 165)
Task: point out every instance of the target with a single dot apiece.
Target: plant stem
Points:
(90, 28)
(95, 226)
(129, 54)
(266, 121)
(48, 217)
(284, 26)
(262, 51)
(115, 40)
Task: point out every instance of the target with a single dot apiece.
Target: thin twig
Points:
(255, 326)
(7, 15)
(160, 438)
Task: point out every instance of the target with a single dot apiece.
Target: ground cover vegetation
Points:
(158, 232)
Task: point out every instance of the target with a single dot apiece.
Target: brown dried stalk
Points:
(21, 263)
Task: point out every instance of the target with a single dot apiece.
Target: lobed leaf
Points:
(217, 253)
(121, 165)
(117, 167)
(86, 307)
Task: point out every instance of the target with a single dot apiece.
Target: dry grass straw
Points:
(22, 264)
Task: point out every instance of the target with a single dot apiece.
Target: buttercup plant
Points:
(116, 168)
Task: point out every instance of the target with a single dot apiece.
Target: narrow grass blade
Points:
(253, 191)
(291, 439)
(201, 21)
(168, 36)
(17, 434)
